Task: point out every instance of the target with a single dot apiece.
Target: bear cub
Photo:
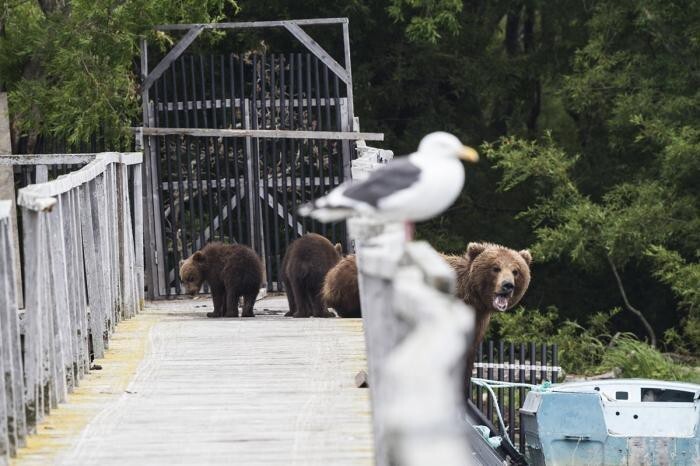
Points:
(304, 267)
(341, 290)
(231, 270)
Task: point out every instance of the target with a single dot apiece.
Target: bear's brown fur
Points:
(304, 267)
(340, 288)
(231, 270)
(490, 278)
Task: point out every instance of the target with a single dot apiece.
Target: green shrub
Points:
(629, 357)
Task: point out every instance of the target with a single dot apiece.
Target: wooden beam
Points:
(46, 159)
(317, 50)
(174, 53)
(252, 24)
(265, 133)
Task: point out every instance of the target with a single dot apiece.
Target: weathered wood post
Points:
(416, 335)
(13, 425)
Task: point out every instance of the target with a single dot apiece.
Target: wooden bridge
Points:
(95, 375)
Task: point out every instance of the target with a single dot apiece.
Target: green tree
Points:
(69, 65)
(626, 202)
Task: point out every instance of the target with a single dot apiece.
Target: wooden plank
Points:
(138, 232)
(46, 159)
(317, 50)
(219, 392)
(265, 133)
(34, 196)
(237, 103)
(41, 174)
(61, 306)
(348, 70)
(251, 24)
(9, 323)
(174, 53)
(31, 319)
(93, 273)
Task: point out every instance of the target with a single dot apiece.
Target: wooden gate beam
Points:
(173, 55)
(264, 133)
(319, 51)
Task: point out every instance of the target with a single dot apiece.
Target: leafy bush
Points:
(629, 357)
(590, 349)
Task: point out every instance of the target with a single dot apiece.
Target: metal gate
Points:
(236, 142)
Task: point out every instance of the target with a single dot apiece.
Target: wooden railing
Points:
(417, 336)
(13, 426)
(83, 273)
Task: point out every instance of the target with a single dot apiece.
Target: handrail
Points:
(83, 269)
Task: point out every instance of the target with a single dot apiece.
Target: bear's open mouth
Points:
(500, 301)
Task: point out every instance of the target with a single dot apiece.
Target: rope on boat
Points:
(490, 385)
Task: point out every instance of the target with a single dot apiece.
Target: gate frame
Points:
(155, 271)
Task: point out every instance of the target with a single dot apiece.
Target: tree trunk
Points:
(632, 309)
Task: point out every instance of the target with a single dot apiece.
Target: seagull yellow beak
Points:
(468, 154)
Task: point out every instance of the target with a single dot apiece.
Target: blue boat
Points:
(613, 422)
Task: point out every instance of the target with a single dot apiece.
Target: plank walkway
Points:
(178, 388)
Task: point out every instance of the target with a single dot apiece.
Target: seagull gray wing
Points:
(397, 175)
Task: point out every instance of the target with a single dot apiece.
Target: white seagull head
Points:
(442, 144)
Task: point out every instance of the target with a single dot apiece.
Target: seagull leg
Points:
(410, 230)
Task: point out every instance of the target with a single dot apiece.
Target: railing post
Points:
(417, 335)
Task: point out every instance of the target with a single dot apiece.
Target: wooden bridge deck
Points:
(178, 388)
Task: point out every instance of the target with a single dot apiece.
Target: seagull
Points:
(409, 189)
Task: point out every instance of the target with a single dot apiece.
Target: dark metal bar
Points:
(319, 127)
(283, 158)
(310, 142)
(207, 156)
(293, 160)
(215, 145)
(480, 374)
(533, 360)
(302, 144)
(274, 93)
(178, 232)
(159, 176)
(251, 24)
(555, 363)
(265, 227)
(226, 145)
(191, 204)
(521, 379)
(500, 394)
(257, 222)
(543, 362)
(489, 371)
(329, 144)
(246, 181)
(239, 198)
(511, 393)
(198, 153)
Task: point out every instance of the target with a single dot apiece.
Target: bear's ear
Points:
(525, 253)
(339, 249)
(198, 257)
(474, 249)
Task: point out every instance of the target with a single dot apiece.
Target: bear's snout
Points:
(507, 286)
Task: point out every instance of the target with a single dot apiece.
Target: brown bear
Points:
(304, 267)
(231, 270)
(490, 278)
(340, 288)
